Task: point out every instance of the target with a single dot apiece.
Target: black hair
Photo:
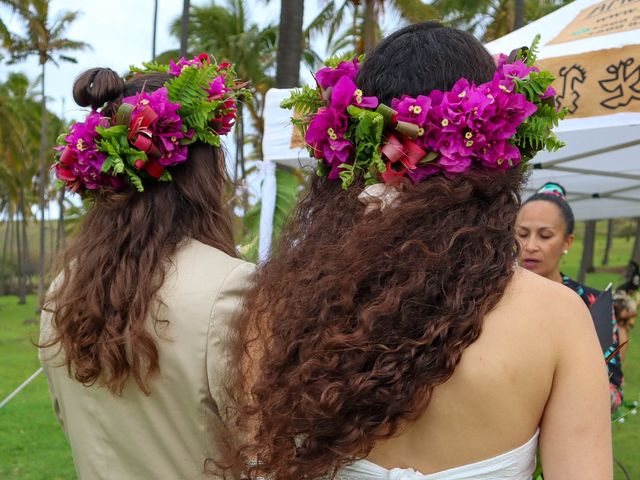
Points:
(423, 57)
(632, 280)
(555, 193)
(104, 88)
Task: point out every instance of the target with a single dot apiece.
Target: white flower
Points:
(378, 196)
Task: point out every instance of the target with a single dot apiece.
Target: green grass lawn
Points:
(32, 446)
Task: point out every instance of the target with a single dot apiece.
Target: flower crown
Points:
(496, 125)
(150, 131)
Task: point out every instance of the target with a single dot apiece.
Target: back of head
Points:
(364, 312)
(423, 57)
(160, 188)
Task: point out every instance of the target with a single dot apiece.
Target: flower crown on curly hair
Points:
(495, 125)
(150, 131)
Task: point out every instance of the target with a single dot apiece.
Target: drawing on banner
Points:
(569, 96)
(624, 84)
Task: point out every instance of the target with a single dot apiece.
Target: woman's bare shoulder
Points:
(545, 294)
(549, 304)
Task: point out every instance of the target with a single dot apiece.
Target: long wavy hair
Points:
(114, 267)
(358, 315)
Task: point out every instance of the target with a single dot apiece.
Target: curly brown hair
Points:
(114, 267)
(358, 315)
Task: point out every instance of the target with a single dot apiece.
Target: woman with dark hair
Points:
(392, 335)
(545, 227)
(134, 328)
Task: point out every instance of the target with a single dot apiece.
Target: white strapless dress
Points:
(516, 464)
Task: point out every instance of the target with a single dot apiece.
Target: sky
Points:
(120, 33)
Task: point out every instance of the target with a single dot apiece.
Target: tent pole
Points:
(592, 153)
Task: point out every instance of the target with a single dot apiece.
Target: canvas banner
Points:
(602, 18)
(601, 82)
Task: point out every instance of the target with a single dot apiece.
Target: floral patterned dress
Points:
(589, 296)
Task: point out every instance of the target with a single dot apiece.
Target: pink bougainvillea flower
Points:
(327, 77)
(500, 154)
(175, 69)
(413, 110)
(325, 136)
(217, 88)
(422, 172)
(345, 93)
(454, 163)
(80, 162)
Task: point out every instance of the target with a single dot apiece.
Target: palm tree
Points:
(44, 38)
(225, 32)
(18, 112)
(519, 14)
(184, 28)
(289, 43)
(155, 29)
(362, 20)
(491, 19)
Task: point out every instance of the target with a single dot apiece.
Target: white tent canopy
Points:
(593, 48)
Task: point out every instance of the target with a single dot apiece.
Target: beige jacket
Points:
(168, 434)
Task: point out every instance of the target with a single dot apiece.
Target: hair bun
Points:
(97, 86)
(553, 188)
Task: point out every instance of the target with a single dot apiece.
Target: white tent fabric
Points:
(280, 145)
(600, 165)
(281, 142)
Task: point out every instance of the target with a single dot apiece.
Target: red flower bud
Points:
(68, 156)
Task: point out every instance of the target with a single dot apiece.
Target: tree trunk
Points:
(51, 233)
(43, 174)
(60, 234)
(607, 247)
(184, 28)
(519, 14)
(28, 267)
(21, 239)
(635, 253)
(239, 168)
(5, 246)
(370, 25)
(155, 30)
(289, 43)
(12, 268)
(588, 247)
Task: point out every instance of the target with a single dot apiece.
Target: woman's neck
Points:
(555, 276)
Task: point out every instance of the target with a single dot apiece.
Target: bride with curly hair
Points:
(392, 335)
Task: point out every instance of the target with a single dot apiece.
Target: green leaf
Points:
(304, 100)
(107, 164)
(112, 132)
(123, 115)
